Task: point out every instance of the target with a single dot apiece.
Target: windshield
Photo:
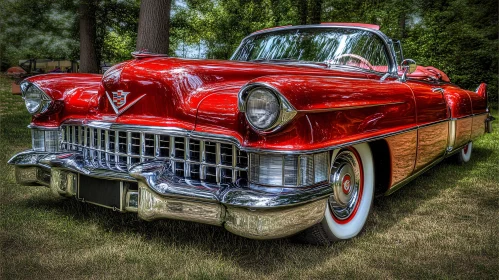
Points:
(331, 46)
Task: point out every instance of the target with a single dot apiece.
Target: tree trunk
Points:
(303, 11)
(154, 26)
(402, 19)
(88, 25)
(315, 11)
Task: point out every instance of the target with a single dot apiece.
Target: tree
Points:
(315, 11)
(36, 29)
(154, 26)
(303, 11)
(89, 62)
(117, 24)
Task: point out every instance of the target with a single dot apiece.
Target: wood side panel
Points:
(463, 131)
(478, 127)
(402, 154)
(432, 143)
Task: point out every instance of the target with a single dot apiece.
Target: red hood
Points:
(174, 89)
(201, 95)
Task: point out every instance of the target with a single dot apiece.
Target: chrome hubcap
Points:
(345, 181)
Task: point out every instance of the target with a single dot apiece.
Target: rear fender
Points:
(481, 90)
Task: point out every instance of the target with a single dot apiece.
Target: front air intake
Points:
(196, 159)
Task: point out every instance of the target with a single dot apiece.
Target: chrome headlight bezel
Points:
(273, 116)
(35, 99)
(285, 114)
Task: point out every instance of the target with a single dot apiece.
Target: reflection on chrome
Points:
(243, 208)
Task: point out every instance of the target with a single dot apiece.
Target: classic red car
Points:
(294, 135)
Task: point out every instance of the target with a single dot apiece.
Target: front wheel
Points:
(348, 207)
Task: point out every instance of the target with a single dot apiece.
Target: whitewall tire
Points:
(348, 207)
(465, 154)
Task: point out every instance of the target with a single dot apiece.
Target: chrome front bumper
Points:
(248, 210)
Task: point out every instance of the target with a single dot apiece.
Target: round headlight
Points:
(35, 99)
(262, 108)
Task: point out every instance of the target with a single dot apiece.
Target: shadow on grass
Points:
(262, 256)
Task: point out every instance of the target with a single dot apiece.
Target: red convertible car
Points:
(292, 136)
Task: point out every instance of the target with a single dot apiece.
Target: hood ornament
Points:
(118, 100)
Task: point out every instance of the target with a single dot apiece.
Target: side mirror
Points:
(408, 67)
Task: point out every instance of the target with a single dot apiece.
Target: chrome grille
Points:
(195, 159)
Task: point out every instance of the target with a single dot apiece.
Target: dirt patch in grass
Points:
(442, 225)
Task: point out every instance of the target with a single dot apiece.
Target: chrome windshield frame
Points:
(387, 42)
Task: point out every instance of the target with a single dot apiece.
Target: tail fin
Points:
(481, 90)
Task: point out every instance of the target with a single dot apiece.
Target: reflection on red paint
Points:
(334, 106)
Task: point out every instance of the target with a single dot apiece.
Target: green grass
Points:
(445, 224)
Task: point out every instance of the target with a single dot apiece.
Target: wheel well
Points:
(382, 165)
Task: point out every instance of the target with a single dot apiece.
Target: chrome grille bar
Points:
(156, 146)
(187, 166)
(218, 161)
(202, 155)
(73, 132)
(192, 158)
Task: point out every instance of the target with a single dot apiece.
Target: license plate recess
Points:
(105, 193)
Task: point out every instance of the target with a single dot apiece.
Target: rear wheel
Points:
(465, 154)
(352, 181)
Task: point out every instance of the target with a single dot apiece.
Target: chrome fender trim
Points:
(255, 224)
(29, 158)
(251, 211)
(157, 176)
(276, 223)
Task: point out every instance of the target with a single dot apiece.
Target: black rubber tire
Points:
(315, 235)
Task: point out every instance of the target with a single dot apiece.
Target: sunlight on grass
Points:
(442, 225)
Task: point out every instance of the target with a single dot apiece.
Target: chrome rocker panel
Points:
(248, 210)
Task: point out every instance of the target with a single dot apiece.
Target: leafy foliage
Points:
(117, 23)
(459, 37)
(34, 29)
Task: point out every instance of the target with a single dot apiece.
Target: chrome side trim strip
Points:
(347, 144)
(349, 107)
(469, 116)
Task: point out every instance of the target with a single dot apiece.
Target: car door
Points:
(432, 118)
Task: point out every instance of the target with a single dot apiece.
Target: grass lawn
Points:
(445, 224)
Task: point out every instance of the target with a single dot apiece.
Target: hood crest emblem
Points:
(118, 100)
